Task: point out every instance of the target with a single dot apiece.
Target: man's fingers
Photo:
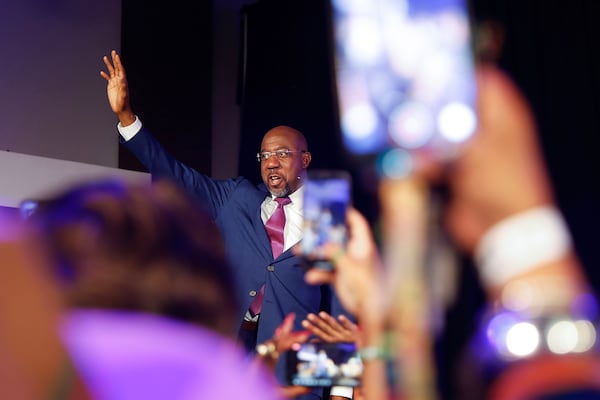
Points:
(287, 325)
(331, 325)
(347, 324)
(289, 341)
(330, 329)
(317, 331)
(325, 323)
(113, 65)
(326, 317)
(118, 65)
(109, 66)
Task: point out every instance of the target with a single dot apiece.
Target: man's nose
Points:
(273, 161)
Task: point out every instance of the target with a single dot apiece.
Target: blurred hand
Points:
(331, 330)
(357, 269)
(283, 339)
(501, 170)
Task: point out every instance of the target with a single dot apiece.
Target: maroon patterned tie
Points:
(274, 227)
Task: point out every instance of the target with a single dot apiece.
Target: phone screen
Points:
(326, 200)
(324, 364)
(404, 75)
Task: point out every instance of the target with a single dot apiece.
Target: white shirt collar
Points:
(296, 197)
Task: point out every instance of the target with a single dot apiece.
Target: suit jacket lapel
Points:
(259, 227)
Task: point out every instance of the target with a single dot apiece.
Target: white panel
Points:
(24, 176)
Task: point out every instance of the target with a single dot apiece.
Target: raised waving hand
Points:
(117, 89)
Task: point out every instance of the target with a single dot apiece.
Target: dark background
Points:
(550, 50)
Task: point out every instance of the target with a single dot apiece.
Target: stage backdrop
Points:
(56, 127)
(52, 98)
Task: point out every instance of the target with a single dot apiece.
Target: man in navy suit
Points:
(241, 209)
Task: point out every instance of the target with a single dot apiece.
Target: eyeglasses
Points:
(281, 154)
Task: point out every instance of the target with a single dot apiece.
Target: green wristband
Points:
(373, 353)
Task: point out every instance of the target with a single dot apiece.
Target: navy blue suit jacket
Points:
(235, 207)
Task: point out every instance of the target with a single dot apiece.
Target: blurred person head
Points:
(147, 248)
(149, 311)
(32, 357)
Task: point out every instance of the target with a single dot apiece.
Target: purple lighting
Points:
(123, 355)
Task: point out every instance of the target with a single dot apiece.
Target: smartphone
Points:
(327, 195)
(324, 365)
(404, 75)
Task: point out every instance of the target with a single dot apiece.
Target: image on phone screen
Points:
(324, 364)
(326, 200)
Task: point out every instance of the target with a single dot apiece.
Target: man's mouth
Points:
(275, 179)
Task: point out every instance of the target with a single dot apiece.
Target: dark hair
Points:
(145, 247)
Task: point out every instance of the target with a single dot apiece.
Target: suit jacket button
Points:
(252, 293)
(271, 268)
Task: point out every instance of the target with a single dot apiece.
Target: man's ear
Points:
(306, 158)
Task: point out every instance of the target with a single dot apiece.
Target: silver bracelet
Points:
(520, 243)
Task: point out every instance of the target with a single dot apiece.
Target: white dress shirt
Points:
(292, 231)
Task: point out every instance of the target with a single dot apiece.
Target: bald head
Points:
(288, 132)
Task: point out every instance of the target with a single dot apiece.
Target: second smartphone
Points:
(327, 196)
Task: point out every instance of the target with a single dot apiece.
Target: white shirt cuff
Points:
(343, 391)
(129, 131)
